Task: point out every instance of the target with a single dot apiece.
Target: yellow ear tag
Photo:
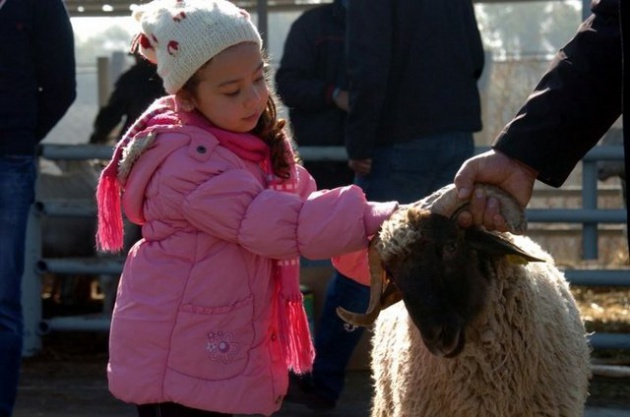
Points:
(517, 260)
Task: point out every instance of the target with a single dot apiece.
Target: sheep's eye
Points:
(449, 248)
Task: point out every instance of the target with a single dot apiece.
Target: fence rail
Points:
(35, 326)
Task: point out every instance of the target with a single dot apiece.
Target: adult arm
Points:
(575, 102)
(55, 63)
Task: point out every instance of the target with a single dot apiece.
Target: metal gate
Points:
(35, 326)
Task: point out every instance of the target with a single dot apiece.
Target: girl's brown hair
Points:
(271, 130)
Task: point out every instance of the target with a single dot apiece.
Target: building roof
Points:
(89, 8)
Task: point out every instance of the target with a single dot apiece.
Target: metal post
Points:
(586, 9)
(104, 84)
(589, 201)
(263, 21)
(32, 286)
(117, 66)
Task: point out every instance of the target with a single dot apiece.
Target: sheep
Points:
(487, 327)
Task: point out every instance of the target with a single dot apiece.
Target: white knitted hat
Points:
(182, 35)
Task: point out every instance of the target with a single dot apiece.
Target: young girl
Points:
(208, 316)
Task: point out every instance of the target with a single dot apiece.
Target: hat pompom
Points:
(141, 44)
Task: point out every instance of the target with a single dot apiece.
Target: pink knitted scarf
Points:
(290, 315)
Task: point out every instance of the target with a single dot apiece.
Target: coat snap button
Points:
(201, 149)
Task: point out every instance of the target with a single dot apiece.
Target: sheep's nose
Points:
(445, 338)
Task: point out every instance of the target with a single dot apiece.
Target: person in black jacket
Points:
(133, 92)
(37, 86)
(312, 82)
(573, 105)
(413, 67)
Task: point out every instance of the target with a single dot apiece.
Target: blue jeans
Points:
(404, 172)
(17, 193)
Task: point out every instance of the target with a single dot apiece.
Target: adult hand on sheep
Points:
(496, 168)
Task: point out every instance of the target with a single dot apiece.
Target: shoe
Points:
(303, 392)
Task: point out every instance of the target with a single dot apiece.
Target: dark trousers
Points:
(174, 410)
(17, 193)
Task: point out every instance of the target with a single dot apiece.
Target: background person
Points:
(37, 86)
(413, 67)
(312, 81)
(133, 92)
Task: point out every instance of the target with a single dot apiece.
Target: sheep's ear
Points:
(391, 294)
(494, 243)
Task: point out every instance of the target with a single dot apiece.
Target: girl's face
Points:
(232, 91)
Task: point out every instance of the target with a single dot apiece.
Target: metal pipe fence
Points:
(589, 216)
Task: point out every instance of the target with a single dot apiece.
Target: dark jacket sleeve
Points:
(369, 42)
(55, 66)
(110, 115)
(575, 102)
(296, 82)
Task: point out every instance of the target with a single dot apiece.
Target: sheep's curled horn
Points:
(445, 202)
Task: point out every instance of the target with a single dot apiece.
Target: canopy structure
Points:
(117, 8)
(103, 8)
(123, 7)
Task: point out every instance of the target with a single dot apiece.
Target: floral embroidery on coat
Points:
(222, 347)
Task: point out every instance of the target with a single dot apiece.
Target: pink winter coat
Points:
(193, 317)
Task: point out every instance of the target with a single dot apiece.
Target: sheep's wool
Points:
(526, 354)
(395, 236)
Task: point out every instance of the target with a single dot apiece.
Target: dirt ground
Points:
(68, 380)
